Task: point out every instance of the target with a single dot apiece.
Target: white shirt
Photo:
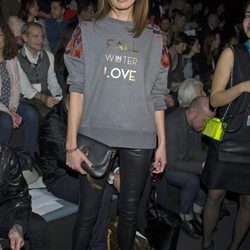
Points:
(27, 89)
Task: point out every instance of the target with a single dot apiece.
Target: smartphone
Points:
(18, 119)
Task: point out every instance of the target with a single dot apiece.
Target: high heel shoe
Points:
(210, 247)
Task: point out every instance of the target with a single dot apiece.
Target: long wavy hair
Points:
(10, 46)
(24, 9)
(208, 50)
(140, 13)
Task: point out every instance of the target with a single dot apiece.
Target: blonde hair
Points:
(140, 13)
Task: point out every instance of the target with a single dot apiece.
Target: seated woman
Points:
(188, 91)
(175, 75)
(12, 114)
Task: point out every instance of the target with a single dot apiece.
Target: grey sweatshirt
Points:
(124, 80)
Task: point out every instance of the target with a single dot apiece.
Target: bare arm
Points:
(74, 157)
(221, 96)
(160, 154)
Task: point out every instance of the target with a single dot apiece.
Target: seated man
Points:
(39, 86)
(186, 160)
(55, 25)
(62, 181)
(16, 219)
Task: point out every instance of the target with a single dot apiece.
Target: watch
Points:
(111, 179)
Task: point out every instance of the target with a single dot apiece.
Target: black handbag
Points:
(101, 155)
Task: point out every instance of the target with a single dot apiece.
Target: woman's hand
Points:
(160, 160)
(117, 181)
(74, 160)
(16, 239)
(169, 100)
(14, 116)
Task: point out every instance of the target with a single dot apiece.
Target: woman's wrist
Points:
(71, 150)
(71, 146)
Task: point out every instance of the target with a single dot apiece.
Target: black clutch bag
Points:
(101, 155)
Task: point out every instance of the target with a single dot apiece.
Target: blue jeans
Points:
(191, 192)
(29, 127)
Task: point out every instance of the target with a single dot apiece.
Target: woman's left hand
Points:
(14, 115)
(160, 160)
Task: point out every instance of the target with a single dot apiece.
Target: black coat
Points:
(51, 144)
(14, 193)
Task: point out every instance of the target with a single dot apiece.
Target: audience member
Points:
(165, 23)
(85, 11)
(178, 24)
(186, 160)
(190, 59)
(39, 85)
(60, 68)
(12, 114)
(17, 222)
(15, 24)
(177, 47)
(212, 24)
(29, 12)
(188, 91)
(208, 58)
(55, 25)
(175, 74)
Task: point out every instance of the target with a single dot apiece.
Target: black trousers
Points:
(134, 166)
(37, 234)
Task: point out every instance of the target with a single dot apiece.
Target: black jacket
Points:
(51, 144)
(14, 193)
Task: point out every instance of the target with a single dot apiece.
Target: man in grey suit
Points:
(186, 160)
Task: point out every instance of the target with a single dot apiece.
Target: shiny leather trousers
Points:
(134, 166)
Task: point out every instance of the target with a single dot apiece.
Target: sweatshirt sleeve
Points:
(74, 61)
(160, 87)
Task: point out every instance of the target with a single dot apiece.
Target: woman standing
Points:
(227, 166)
(118, 75)
(13, 114)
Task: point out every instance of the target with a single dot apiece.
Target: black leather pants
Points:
(134, 166)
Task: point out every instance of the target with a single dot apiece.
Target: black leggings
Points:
(134, 166)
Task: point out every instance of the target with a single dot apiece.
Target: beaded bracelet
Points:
(71, 150)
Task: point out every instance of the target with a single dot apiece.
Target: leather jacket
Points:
(52, 136)
(14, 193)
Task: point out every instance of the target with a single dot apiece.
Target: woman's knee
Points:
(245, 202)
(215, 196)
(5, 120)
(6, 127)
(28, 113)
